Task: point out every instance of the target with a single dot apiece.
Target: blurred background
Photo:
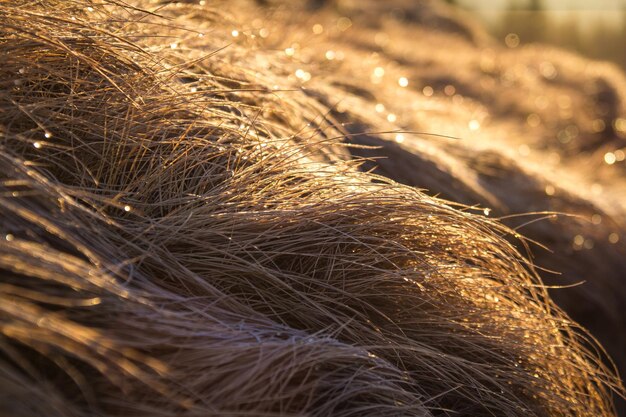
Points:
(594, 28)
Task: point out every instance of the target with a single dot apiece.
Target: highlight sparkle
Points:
(609, 158)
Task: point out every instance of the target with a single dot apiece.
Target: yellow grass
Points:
(185, 231)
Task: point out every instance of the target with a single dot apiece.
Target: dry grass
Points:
(182, 239)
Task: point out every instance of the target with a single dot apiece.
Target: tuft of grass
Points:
(183, 236)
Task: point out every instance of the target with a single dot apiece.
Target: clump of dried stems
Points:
(164, 254)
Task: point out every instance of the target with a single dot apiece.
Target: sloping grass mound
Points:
(176, 243)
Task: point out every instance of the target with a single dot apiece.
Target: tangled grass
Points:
(181, 238)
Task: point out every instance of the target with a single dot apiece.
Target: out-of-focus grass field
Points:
(596, 29)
